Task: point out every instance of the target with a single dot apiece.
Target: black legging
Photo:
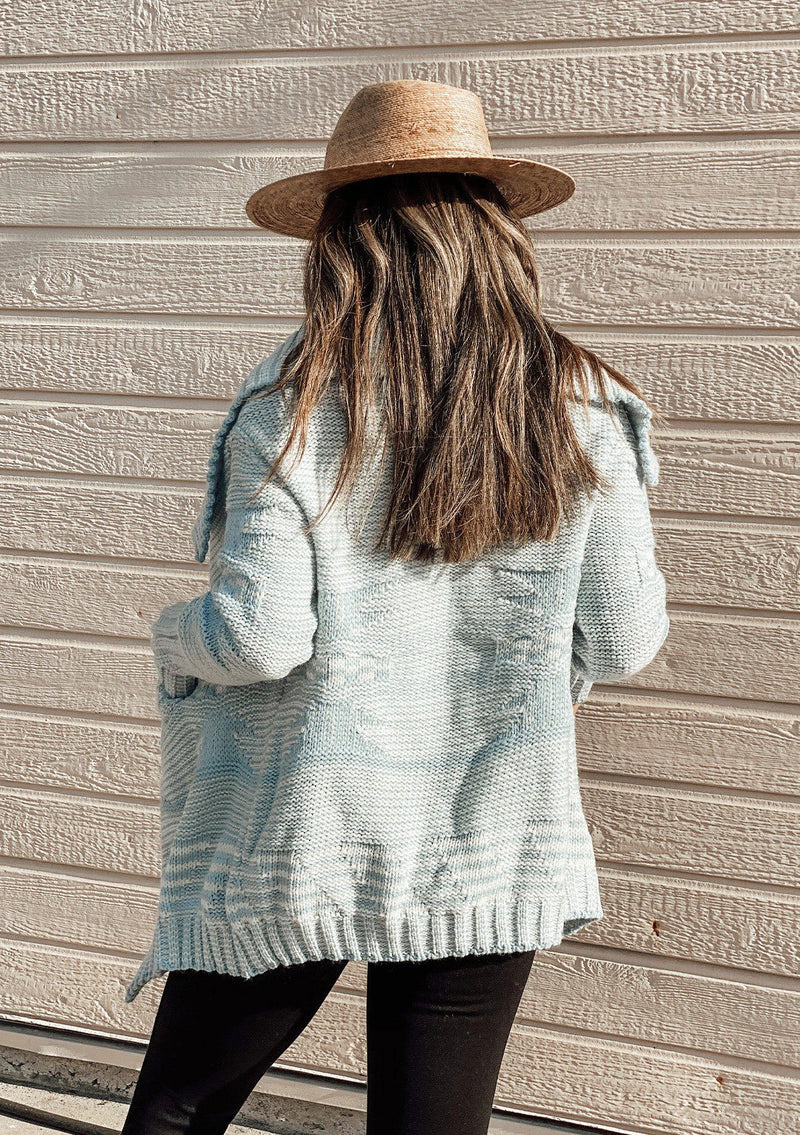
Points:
(436, 1034)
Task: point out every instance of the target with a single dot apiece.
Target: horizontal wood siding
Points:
(134, 298)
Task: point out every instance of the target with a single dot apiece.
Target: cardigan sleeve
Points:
(621, 619)
(257, 620)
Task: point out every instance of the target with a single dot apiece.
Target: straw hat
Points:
(406, 126)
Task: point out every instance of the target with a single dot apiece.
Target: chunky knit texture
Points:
(377, 759)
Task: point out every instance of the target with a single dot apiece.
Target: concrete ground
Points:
(111, 1114)
(105, 1113)
(90, 1079)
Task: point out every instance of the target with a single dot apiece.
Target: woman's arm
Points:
(621, 619)
(257, 621)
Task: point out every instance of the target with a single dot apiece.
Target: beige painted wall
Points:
(134, 297)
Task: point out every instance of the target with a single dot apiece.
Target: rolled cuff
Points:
(175, 684)
(579, 686)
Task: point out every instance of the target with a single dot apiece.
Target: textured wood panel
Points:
(687, 188)
(719, 745)
(76, 596)
(119, 27)
(656, 915)
(60, 905)
(704, 471)
(762, 562)
(693, 831)
(743, 657)
(651, 1004)
(713, 377)
(98, 519)
(89, 835)
(716, 284)
(725, 925)
(59, 595)
(108, 678)
(631, 824)
(754, 658)
(110, 758)
(630, 736)
(630, 90)
(591, 993)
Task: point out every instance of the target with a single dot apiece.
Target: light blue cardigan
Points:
(378, 760)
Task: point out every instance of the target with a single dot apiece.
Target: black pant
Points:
(436, 1034)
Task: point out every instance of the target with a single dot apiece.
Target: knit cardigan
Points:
(372, 759)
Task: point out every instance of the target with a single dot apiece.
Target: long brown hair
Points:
(421, 292)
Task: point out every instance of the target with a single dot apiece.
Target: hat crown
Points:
(408, 118)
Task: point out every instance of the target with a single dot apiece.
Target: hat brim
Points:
(292, 206)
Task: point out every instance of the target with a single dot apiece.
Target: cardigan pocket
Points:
(182, 720)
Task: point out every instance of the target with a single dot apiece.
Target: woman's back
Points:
(379, 758)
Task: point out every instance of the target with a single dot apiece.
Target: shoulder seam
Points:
(640, 417)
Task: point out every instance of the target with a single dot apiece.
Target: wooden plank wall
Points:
(134, 297)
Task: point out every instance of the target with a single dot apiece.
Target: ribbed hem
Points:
(250, 946)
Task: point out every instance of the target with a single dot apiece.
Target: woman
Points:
(428, 532)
